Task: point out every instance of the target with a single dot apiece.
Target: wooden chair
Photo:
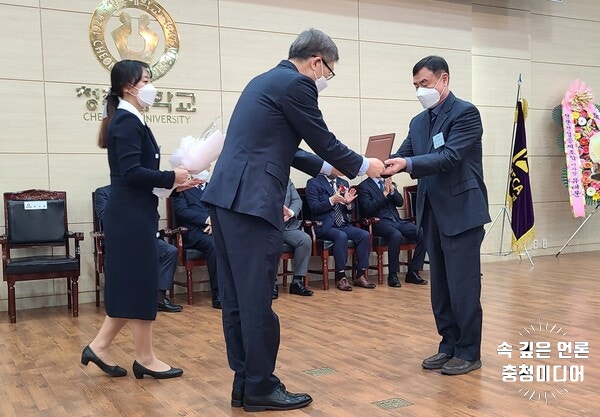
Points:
(287, 254)
(410, 208)
(188, 258)
(379, 244)
(36, 221)
(98, 236)
(322, 247)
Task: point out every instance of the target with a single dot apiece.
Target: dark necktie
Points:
(338, 214)
(380, 185)
(432, 117)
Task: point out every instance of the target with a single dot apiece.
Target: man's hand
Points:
(337, 198)
(350, 196)
(208, 228)
(376, 168)
(287, 213)
(394, 166)
(388, 188)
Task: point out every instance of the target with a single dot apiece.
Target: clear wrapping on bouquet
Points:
(195, 154)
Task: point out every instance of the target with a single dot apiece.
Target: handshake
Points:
(387, 168)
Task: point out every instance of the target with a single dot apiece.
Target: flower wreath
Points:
(580, 121)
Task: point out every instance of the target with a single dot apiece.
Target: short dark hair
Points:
(433, 63)
(313, 42)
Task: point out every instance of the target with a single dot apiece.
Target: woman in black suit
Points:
(130, 223)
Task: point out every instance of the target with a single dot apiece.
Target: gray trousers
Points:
(302, 244)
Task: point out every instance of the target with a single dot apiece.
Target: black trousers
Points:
(455, 278)
(340, 236)
(396, 233)
(248, 250)
(206, 244)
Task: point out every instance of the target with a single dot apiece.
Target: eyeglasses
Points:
(331, 73)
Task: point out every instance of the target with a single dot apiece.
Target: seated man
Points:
(330, 200)
(294, 236)
(380, 198)
(193, 214)
(167, 257)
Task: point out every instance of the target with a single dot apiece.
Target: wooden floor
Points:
(357, 354)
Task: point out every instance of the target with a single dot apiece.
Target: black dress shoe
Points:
(413, 278)
(216, 303)
(169, 307)
(299, 289)
(436, 361)
(237, 398)
(279, 399)
(139, 371)
(237, 393)
(88, 356)
(457, 366)
(275, 294)
(393, 281)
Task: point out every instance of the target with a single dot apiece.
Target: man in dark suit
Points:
(193, 214)
(380, 198)
(297, 238)
(331, 200)
(167, 256)
(443, 150)
(275, 112)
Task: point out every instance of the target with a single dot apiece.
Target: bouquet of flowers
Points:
(580, 138)
(195, 154)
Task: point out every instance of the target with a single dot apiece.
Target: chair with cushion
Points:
(410, 208)
(188, 258)
(36, 223)
(379, 244)
(322, 247)
(287, 254)
(98, 236)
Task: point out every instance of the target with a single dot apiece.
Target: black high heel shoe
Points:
(139, 371)
(88, 355)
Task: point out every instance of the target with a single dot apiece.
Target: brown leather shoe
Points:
(343, 284)
(362, 281)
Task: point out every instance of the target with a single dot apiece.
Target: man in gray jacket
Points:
(294, 236)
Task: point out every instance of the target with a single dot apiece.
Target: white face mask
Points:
(146, 95)
(322, 81)
(429, 97)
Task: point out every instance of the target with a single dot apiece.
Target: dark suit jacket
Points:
(294, 203)
(275, 112)
(318, 192)
(192, 213)
(452, 174)
(374, 204)
(100, 198)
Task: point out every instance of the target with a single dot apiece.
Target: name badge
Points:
(438, 140)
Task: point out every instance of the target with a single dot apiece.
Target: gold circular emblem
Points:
(132, 28)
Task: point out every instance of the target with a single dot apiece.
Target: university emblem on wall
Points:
(134, 29)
